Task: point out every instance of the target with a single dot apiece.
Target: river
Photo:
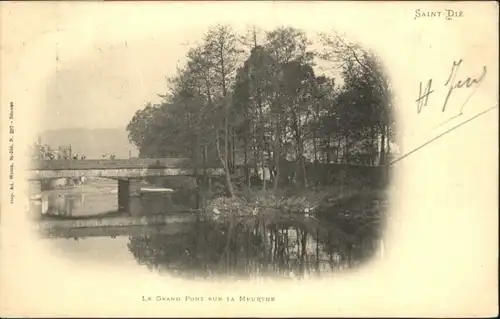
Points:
(203, 250)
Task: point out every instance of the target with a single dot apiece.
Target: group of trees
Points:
(257, 100)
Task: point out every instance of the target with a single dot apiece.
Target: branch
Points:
(350, 48)
(367, 68)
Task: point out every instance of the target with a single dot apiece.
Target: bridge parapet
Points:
(114, 163)
(123, 173)
(118, 168)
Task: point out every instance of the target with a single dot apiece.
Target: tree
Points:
(253, 98)
(366, 88)
(289, 47)
(268, 106)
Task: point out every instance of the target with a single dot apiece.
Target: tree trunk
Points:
(245, 153)
(374, 148)
(205, 155)
(304, 171)
(388, 143)
(262, 135)
(229, 148)
(226, 168)
(329, 150)
(256, 156)
(234, 149)
(337, 153)
(301, 160)
(382, 146)
(196, 157)
(277, 153)
(346, 149)
(315, 148)
(226, 151)
(263, 169)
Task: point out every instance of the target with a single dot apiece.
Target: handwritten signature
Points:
(451, 85)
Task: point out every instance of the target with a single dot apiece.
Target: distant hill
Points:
(92, 143)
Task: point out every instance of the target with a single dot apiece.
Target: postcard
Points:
(249, 159)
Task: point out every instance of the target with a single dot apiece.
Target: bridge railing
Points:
(151, 163)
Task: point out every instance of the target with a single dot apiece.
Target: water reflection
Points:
(75, 203)
(289, 246)
(205, 249)
(62, 204)
(98, 199)
(290, 249)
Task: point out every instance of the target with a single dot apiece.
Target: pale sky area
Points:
(103, 65)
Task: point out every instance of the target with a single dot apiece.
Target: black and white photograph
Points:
(253, 162)
(232, 143)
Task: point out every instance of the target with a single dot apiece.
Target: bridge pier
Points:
(123, 195)
(127, 192)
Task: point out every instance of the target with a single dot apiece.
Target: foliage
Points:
(260, 102)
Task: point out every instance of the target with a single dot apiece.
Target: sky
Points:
(101, 66)
(94, 64)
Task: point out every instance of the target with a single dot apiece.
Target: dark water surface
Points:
(291, 248)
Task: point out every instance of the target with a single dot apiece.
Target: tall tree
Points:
(269, 107)
(221, 47)
(363, 72)
(285, 45)
(253, 94)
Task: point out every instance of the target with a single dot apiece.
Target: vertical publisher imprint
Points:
(11, 152)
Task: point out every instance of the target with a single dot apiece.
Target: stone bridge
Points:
(122, 170)
(118, 168)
